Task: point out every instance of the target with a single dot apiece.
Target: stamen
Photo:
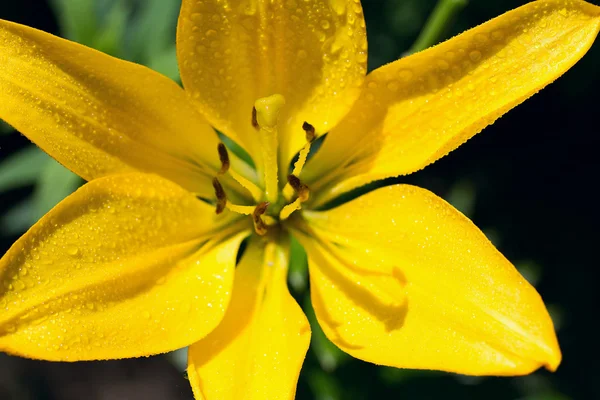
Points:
(254, 119)
(300, 188)
(224, 158)
(310, 132)
(244, 210)
(259, 224)
(301, 191)
(223, 203)
(302, 156)
(287, 210)
(265, 113)
(220, 195)
(254, 190)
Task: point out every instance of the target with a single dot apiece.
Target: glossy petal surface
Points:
(231, 53)
(258, 349)
(417, 109)
(400, 278)
(126, 266)
(98, 115)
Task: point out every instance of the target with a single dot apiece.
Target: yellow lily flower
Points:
(137, 262)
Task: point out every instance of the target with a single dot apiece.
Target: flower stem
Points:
(441, 17)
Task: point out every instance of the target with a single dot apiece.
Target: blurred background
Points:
(527, 181)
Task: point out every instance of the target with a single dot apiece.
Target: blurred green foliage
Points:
(141, 31)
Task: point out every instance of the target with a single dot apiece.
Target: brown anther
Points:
(300, 188)
(259, 224)
(224, 157)
(220, 194)
(310, 132)
(254, 119)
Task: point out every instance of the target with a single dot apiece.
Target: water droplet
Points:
(338, 6)
(393, 86)
(73, 251)
(481, 38)
(475, 55)
(146, 314)
(405, 75)
(325, 24)
(443, 64)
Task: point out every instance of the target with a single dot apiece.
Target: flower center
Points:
(274, 203)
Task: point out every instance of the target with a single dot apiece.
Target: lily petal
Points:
(417, 109)
(126, 266)
(401, 278)
(258, 349)
(312, 52)
(98, 115)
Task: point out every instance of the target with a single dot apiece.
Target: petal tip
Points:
(554, 359)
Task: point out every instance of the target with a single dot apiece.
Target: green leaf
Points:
(22, 168)
(530, 271)
(178, 358)
(546, 396)
(5, 128)
(442, 16)
(77, 19)
(154, 27)
(54, 184)
(324, 386)
(298, 270)
(166, 63)
(462, 197)
(110, 37)
(328, 355)
(16, 220)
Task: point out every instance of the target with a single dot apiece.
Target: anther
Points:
(310, 132)
(259, 224)
(220, 195)
(300, 188)
(224, 158)
(254, 119)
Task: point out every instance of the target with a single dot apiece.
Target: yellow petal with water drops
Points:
(401, 278)
(258, 349)
(417, 109)
(233, 53)
(98, 115)
(127, 266)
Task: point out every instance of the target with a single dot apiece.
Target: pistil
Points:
(266, 112)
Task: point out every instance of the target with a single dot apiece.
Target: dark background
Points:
(530, 180)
